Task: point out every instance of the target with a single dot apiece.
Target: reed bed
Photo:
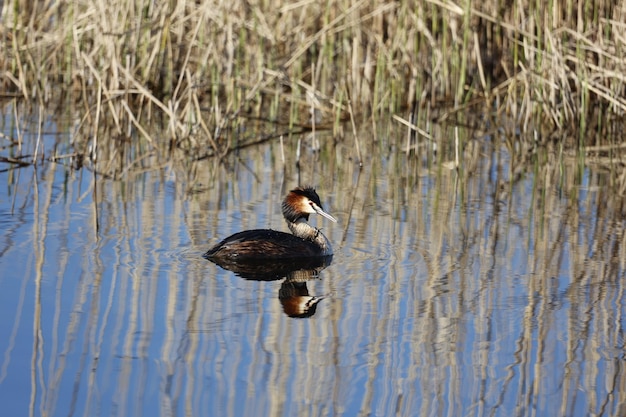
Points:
(202, 75)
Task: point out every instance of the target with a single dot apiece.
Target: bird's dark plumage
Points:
(305, 240)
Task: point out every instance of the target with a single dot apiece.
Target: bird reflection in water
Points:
(293, 293)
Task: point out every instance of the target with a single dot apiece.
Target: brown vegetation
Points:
(201, 69)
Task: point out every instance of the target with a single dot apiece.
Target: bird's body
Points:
(259, 244)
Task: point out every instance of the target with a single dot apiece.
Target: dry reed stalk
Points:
(201, 64)
(412, 127)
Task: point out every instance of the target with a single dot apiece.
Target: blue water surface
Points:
(450, 293)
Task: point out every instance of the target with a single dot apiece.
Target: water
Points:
(491, 292)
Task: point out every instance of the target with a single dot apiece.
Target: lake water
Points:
(495, 291)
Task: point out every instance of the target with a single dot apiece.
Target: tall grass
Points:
(201, 69)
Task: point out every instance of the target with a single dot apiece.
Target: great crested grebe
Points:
(267, 244)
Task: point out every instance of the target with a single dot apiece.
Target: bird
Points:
(305, 241)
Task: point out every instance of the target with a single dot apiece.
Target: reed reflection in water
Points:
(489, 292)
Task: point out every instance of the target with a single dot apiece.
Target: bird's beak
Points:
(322, 213)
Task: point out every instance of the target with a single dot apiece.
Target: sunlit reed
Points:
(198, 70)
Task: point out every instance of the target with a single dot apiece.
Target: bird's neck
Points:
(303, 230)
